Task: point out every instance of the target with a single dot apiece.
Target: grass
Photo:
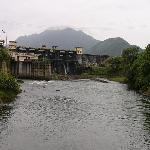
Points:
(120, 79)
(7, 96)
(9, 88)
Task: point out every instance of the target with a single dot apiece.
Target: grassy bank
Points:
(103, 72)
(94, 76)
(9, 88)
(120, 79)
(90, 75)
(7, 96)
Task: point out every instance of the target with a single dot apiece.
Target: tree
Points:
(130, 54)
(114, 65)
(139, 72)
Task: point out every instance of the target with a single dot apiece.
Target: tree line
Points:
(134, 64)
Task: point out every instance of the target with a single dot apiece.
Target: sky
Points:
(102, 19)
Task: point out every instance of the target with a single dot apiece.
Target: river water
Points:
(75, 115)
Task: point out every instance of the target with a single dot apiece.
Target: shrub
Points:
(139, 72)
(4, 56)
(8, 83)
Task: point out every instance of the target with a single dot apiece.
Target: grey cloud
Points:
(101, 18)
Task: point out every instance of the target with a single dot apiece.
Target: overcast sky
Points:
(129, 19)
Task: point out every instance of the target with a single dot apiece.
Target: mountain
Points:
(112, 47)
(67, 38)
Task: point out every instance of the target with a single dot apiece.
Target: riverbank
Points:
(120, 79)
(9, 88)
(146, 93)
(7, 96)
(100, 78)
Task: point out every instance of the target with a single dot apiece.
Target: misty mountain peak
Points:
(67, 38)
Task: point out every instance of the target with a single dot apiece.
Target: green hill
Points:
(112, 47)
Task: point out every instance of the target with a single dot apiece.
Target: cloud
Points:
(101, 18)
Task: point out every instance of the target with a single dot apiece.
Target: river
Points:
(75, 115)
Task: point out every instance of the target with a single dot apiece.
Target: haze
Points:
(129, 19)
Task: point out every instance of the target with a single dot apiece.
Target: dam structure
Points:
(42, 63)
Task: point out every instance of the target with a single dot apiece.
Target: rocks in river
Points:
(101, 80)
(20, 81)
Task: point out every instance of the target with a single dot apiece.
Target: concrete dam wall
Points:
(31, 69)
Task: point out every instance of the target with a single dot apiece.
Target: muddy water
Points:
(75, 115)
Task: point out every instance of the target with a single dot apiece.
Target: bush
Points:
(114, 66)
(139, 72)
(4, 56)
(100, 71)
(8, 83)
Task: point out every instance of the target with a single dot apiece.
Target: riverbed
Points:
(75, 115)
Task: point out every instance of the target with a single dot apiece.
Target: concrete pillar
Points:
(4, 68)
(20, 68)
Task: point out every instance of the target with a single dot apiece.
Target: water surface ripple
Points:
(75, 115)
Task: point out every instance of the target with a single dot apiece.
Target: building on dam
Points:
(41, 63)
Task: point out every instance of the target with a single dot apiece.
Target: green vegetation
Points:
(111, 47)
(139, 72)
(9, 87)
(120, 79)
(4, 56)
(110, 71)
(56, 76)
(8, 82)
(132, 67)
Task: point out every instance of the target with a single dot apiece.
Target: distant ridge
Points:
(111, 46)
(67, 38)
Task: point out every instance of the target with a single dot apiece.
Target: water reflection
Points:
(5, 112)
(145, 110)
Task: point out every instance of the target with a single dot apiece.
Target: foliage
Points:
(129, 55)
(139, 73)
(114, 65)
(9, 87)
(120, 79)
(7, 96)
(8, 83)
(98, 71)
(132, 67)
(4, 56)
